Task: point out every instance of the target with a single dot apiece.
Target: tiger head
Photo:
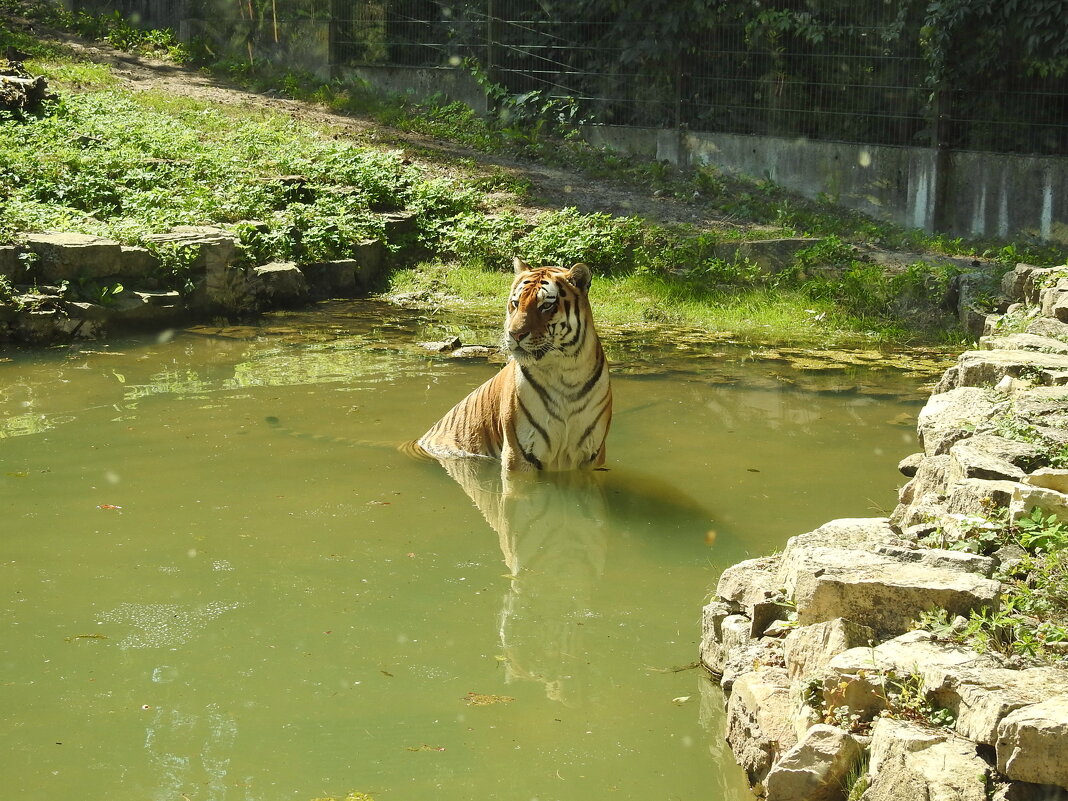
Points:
(548, 311)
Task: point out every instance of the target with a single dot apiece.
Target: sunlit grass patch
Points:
(76, 76)
(640, 300)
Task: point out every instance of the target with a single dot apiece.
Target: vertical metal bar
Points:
(678, 92)
(943, 107)
(491, 54)
(490, 36)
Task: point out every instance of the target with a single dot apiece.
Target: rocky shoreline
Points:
(832, 691)
(52, 276)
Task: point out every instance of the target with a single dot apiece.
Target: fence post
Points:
(491, 54)
(678, 92)
(331, 39)
(943, 112)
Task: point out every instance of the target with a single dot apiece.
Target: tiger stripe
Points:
(550, 406)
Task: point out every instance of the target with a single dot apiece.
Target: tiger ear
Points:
(580, 276)
(519, 265)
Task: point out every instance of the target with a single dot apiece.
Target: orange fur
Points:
(550, 407)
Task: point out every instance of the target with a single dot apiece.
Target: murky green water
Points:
(197, 605)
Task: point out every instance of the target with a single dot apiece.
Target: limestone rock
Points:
(1048, 327)
(370, 254)
(141, 309)
(1048, 478)
(808, 649)
(911, 761)
(816, 768)
(750, 582)
(910, 464)
(951, 416)
(222, 286)
(940, 558)
(1046, 410)
(10, 266)
(1028, 341)
(1032, 740)
(876, 590)
(1025, 791)
(913, 516)
(978, 457)
(984, 368)
(399, 224)
(855, 678)
(1054, 300)
(332, 279)
(948, 382)
(759, 727)
(982, 699)
(136, 263)
(1026, 497)
(1022, 455)
(742, 652)
(846, 532)
(67, 257)
(728, 650)
(280, 283)
(976, 497)
(975, 687)
(927, 488)
(1025, 282)
(713, 656)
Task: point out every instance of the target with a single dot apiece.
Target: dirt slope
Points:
(552, 188)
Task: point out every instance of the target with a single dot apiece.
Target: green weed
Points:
(1033, 612)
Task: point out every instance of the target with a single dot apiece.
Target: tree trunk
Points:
(21, 92)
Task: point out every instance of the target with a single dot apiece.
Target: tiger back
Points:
(550, 406)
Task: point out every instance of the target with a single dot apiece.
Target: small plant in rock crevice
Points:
(907, 698)
(829, 707)
(857, 779)
(1031, 620)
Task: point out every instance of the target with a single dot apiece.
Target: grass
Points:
(754, 313)
(115, 164)
(110, 162)
(1032, 617)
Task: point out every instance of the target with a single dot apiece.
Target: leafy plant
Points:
(907, 699)
(1039, 533)
(608, 244)
(1033, 612)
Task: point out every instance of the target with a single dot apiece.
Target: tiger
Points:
(550, 406)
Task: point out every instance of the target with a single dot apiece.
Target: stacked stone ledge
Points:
(853, 589)
(48, 269)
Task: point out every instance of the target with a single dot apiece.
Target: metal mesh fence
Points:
(858, 76)
(839, 70)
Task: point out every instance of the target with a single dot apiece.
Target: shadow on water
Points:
(555, 531)
(203, 607)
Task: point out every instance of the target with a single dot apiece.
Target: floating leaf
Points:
(425, 747)
(682, 699)
(478, 699)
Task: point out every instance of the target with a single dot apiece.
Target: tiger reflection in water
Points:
(526, 446)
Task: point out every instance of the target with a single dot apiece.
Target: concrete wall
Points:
(985, 194)
(982, 194)
(1003, 195)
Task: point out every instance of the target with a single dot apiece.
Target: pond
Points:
(201, 605)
